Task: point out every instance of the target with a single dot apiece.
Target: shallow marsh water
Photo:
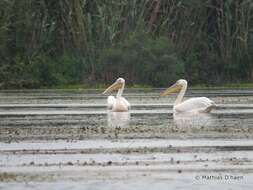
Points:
(68, 140)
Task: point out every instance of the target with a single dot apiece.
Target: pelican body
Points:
(192, 105)
(118, 104)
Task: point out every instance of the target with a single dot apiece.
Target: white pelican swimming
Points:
(118, 104)
(192, 105)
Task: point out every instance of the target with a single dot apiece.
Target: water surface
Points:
(63, 139)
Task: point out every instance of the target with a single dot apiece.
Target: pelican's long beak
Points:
(114, 86)
(174, 88)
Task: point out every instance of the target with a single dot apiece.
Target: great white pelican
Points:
(118, 104)
(192, 105)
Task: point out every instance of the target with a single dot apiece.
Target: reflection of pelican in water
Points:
(118, 119)
(192, 120)
(118, 104)
(193, 105)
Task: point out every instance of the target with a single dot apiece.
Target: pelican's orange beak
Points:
(115, 86)
(174, 88)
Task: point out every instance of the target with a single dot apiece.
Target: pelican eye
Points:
(120, 81)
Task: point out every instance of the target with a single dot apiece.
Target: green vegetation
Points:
(67, 43)
(150, 88)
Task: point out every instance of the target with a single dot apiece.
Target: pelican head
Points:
(119, 83)
(175, 87)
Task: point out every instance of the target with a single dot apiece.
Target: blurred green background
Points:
(49, 43)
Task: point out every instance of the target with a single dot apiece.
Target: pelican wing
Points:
(201, 104)
(110, 102)
(126, 102)
(120, 105)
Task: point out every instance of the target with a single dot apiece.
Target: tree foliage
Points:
(154, 42)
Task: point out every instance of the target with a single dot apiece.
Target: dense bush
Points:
(42, 71)
(52, 42)
(142, 59)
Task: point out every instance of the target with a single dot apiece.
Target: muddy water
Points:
(68, 140)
